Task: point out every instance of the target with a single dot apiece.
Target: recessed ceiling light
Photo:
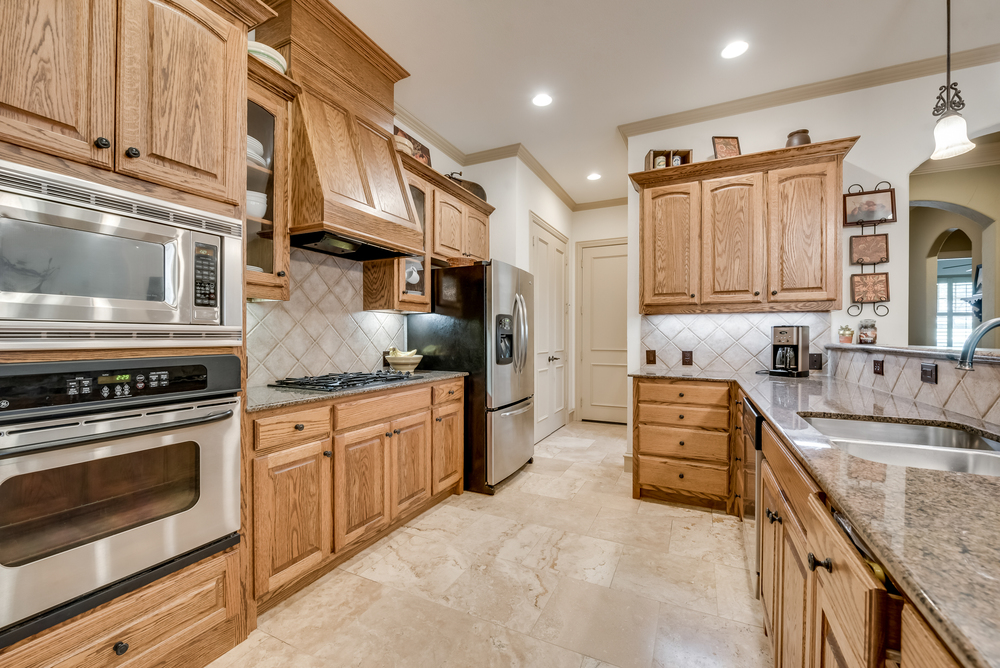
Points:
(594, 176)
(735, 49)
(542, 100)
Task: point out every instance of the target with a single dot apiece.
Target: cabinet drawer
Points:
(452, 391)
(688, 392)
(684, 416)
(683, 443)
(157, 622)
(292, 428)
(355, 413)
(681, 475)
(795, 483)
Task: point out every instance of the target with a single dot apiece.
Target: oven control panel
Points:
(206, 275)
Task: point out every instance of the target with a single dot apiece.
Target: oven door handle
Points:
(124, 433)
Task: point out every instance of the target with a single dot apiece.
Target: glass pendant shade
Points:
(951, 137)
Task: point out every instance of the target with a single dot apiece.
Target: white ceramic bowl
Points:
(268, 55)
(256, 204)
(404, 363)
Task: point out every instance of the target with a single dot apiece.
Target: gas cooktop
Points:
(333, 382)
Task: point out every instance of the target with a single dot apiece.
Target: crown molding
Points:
(429, 135)
(489, 155)
(985, 155)
(880, 77)
(602, 204)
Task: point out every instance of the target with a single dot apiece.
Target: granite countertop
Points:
(260, 397)
(937, 533)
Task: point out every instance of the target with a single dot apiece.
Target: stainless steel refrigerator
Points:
(482, 323)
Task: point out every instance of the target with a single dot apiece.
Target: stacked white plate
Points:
(256, 204)
(270, 57)
(255, 152)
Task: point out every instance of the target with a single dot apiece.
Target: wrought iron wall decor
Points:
(869, 249)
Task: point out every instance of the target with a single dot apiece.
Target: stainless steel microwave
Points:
(83, 265)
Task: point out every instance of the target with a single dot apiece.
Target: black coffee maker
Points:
(789, 351)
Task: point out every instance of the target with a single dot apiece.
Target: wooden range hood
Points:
(348, 185)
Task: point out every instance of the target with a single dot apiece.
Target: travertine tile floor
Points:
(560, 568)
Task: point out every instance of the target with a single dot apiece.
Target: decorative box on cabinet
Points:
(753, 233)
(153, 90)
(269, 97)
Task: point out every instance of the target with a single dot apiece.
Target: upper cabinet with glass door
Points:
(269, 96)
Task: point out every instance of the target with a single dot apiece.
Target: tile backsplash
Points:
(725, 342)
(322, 328)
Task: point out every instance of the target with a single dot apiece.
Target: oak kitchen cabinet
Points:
(758, 232)
(152, 90)
(332, 478)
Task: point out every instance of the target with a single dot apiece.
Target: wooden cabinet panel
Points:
(449, 225)
(678, 474)
(453, 391)
(181, 97)
(921, 647)
(355, 413)
(331, 133)
(684, 443)
(385, 176)
(685, 416)
(669, 245)
(732, 238)
(477, 235)
(361, 484)
(848, 602)
(803, 244)
(293, 514)
(292, 428)
(667, 391)
(793, 608)
(411, 462)
(770, 562)
(448, 446)
(796, 485)
(57, 77)
(162, 623)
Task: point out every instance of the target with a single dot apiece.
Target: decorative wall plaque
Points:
(870, 249)
(870, 288)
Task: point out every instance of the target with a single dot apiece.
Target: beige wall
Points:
(977, 189)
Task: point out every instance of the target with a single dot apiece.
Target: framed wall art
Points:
(870, 207)
(870, 288)
(870, 249)
(726, 147)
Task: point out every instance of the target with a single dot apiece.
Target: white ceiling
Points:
(476, 64)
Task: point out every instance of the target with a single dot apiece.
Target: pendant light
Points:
(951, 134)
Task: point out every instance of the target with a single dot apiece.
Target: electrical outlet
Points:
(928, 373)
(687, 357)
(650, 357)
(877, 367)
(815, 361)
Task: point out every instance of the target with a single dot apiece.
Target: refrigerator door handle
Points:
(524, 331)
(519, 411)
(516, 352)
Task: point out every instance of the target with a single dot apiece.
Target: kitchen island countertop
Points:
(936, 532)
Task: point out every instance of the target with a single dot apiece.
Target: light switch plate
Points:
(650, 357)
(877, 367)
(928, 373)
(687, 357)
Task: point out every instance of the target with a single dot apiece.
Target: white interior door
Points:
(549, 265)
(603, 369)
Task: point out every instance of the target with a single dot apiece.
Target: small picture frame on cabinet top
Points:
(870, 249)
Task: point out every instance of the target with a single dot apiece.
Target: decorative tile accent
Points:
(322, 328)
(724, 342)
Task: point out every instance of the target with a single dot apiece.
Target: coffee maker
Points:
(789, 351)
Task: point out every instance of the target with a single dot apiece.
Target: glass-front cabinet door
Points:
(267, 200)
(414, 273)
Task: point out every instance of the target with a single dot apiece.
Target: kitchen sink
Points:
(916, 445)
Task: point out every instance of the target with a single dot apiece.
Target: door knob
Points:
(102, 142)
(132, 152)
(553, 359)
(328, 453)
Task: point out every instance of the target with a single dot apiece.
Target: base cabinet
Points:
(293, 519)
(447, 454)
(361, 484)
(411, 462)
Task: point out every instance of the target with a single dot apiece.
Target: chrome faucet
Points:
(969, 349)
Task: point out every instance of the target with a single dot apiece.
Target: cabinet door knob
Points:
(680, 475)
(682, 417)
(396, 431)
(102, 142)
(439, 419)
(328, 453)
(681, 394)
(692, 295)
(682, 442)
(774, 292)
(281, 274)
(814, 563)
(132, 152)
(388, 434)
(300, 427)
(451, 391)
(120, 648)
(756, 293)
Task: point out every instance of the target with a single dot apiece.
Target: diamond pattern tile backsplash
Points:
(322, 328)
(725, 342)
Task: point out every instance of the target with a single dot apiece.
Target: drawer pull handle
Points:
(120, 648)
(680, 475)
(451, 391)
(439, 419)
(826, 563)
(300, 427)
(682, 442)
(738, 459)
(682, 417)
(328, 453)
(681, 394)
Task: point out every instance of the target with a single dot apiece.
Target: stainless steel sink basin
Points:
(917, 445)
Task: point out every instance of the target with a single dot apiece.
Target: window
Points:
(955, 321)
